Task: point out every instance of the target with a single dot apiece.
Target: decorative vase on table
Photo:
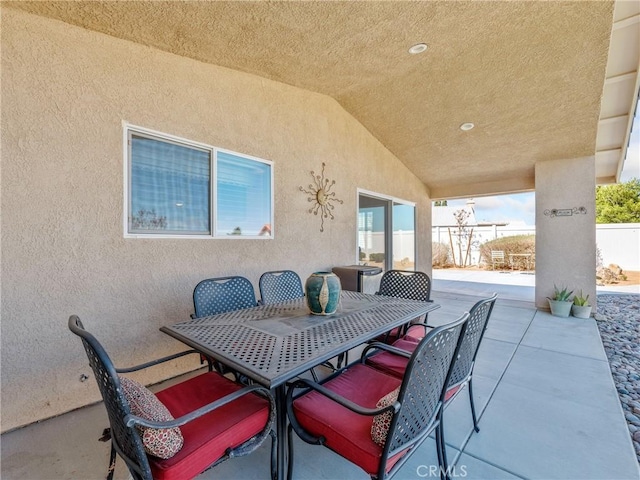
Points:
(323, 293)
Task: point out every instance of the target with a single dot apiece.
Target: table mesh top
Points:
(272, 343)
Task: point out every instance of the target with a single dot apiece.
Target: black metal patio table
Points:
(272, 344)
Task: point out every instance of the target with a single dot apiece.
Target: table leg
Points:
(281, 431)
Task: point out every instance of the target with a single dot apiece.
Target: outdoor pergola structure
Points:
(551, 88)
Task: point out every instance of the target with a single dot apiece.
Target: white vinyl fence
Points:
(618, 243)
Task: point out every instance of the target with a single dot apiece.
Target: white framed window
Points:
(180, 188)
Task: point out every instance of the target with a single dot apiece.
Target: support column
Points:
(565, 236)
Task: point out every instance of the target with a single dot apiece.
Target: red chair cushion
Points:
(346, 432)
(415, 333)
(390, 363)
(390, 336)
(207, 438)
(451, 392)
(395, 365)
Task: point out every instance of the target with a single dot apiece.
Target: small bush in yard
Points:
(516, 244)
(440, 254)
(376, 257)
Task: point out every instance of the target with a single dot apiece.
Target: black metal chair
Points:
(394, 359)
(279, 286)
(223, 294)
(344, 411)
(220, 295)
(217, 418)
(404, 284)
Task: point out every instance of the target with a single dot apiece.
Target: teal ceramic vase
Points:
(323, 293)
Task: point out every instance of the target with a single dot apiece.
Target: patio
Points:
(87, 84)
(547, 403)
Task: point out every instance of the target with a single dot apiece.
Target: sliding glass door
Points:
(404, 236)
(386, 232)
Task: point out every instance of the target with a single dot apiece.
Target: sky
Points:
(516, 209)
(519, 209)
(632, 163)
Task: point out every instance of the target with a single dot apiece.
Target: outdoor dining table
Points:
(272, 344)
(515, 258)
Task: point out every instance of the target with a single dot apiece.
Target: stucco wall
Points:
(565, 245)
(65, 94)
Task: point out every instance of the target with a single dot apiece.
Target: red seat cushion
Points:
(390, 363)
(390, 336)
(346, 432)
(207, 438)
(395, 365)
(415, 333)
(452, 391)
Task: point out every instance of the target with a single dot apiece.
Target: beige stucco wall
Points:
(65, 93)
(565, 245)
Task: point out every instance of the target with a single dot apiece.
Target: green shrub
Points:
(376, 257)
(561, 295)
(515, 244)
(440, 254)
(362, 255)
(580, 300)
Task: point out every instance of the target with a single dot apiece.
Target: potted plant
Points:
(581, 307)
(560, 303)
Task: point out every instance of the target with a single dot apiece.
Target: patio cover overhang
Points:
(540, 80)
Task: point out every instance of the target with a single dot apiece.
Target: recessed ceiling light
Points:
(418, 48)
(466, 126)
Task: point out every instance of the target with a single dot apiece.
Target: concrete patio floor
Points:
(546, 400)
(508, 284)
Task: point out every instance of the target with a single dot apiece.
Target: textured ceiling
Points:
(530, 75)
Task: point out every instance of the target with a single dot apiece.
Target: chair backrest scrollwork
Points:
(223, 294)
(423, 388)
(125, 440)
(470, 343)
(279, 286)
(405, 284)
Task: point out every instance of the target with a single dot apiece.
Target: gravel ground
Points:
(619, 324)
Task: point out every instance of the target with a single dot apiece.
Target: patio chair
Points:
(184, 429)
(220, 295)
(404, 284)
(223, 294)
(279, 286)
(497, 258)
(375, 420)
(394, 359)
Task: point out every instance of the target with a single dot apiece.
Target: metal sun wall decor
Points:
(320, 193)
(565, 212)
